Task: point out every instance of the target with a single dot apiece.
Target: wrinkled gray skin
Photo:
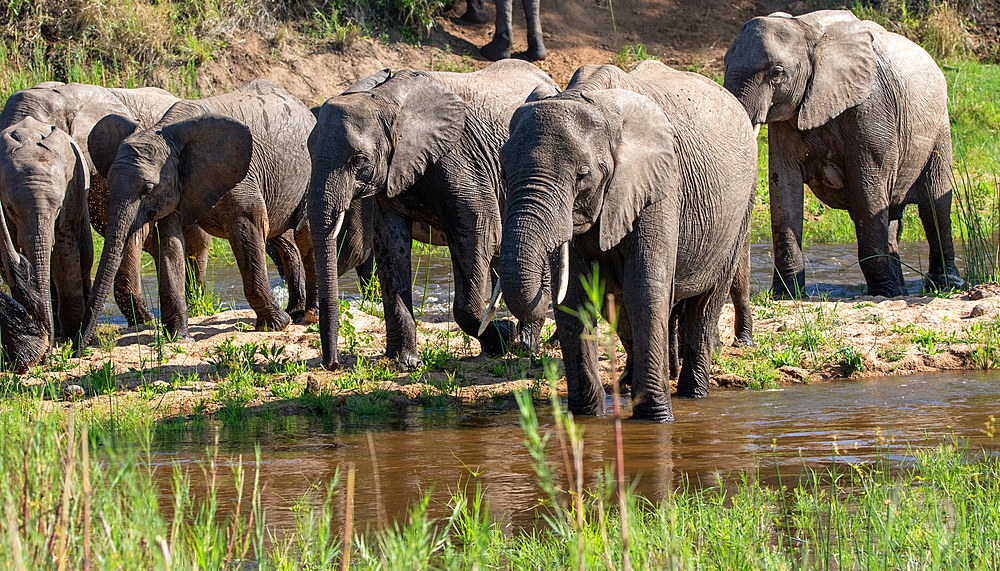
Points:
(425, 144)
(861, 116)
(499, 46)
(235, 164)
(44, 179)
(23, 339)
(651, 176)
(75, 109)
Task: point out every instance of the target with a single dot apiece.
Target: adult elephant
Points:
(75, 109)
(499, 46)
(861, 116)
(649, 175)
(426, 145)
(236, 164)
(23, 338)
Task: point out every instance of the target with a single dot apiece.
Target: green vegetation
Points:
(69, 495)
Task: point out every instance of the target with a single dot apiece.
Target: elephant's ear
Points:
(843, 72)
(429, 123)
(214, 153)
(646, 168)
(370, 82)
(105, 138)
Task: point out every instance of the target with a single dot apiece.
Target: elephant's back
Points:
(497, 90)
(146, 104)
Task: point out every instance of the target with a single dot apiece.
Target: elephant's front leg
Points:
(786, 189)
(169, 253)
(536, 48)
(128, 280)
(247, 242)
(882, 269)
(291, 261)
(499, 46)
(392, 261)
(650, 258)
(580, 350)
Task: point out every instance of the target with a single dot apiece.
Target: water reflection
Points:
(817, 426)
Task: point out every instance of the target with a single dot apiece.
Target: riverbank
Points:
(230, 372)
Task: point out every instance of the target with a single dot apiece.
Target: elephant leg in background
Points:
(933, 190)
(624, 329)
(786, 189)
(196, 245)
(701, 324)
(739, 292)
(580, 355)
(303, 239)
(70, 280)
(393, 236)
(474, 12)
(247, 242)
(499, 46)
(291, 261)
(648, 291)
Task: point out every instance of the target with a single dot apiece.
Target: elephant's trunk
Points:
(752, 95)
(40, 254)
(324, 241)
(531, 242)
(23, 341)
(123, 222)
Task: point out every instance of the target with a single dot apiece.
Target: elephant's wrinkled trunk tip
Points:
(331, 365)
(491, 309)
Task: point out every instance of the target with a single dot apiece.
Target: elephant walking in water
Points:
(860, 115)
(651, 177)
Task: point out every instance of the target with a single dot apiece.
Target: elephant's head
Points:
(41, 170)
(576, 163)
(379, 137)
(809, 68)
(183, 165)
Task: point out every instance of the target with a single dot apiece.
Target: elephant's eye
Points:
(359, 160)
(776, 73)
(149, 187)
(582, 173)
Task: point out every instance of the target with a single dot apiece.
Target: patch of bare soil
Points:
(892, 336)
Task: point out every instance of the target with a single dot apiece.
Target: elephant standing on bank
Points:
(237, 165)
(651, 176)
(499, 46)
(425, 145)
(861, 116)
(75, 109)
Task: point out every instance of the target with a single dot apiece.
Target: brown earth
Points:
(886, 334)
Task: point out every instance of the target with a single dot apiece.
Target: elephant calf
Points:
(235, 164)
(861, 116)
(651, 176)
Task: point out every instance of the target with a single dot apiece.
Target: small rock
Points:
(312, 386)
(981, 308)
(73, 393)
(983, 291)
(796, 373)
(162, 386)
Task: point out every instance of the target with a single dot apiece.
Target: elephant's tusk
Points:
(301, 222)
(564, 274)
(756, 130)
(491, 310)
(340, 221)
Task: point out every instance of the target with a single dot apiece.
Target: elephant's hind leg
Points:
(291, 261)
(536, 48)
(701, 324)
(474, 12)
(933, 194)
(499, 46)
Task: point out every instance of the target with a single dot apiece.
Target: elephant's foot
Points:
(944, 282)
(496, 50)
(690, 387)
(305, 317)
(277, 321)
(888, 289)
(406, 360)
(743, 340)
(475, 15)
(625, 380)
(788, 287)
(649, 409)
(536, 51)
(498, 338)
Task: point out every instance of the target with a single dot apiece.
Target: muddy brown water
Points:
(831, 269)
(820, 426)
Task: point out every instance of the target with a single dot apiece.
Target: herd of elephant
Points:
(649, 176)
